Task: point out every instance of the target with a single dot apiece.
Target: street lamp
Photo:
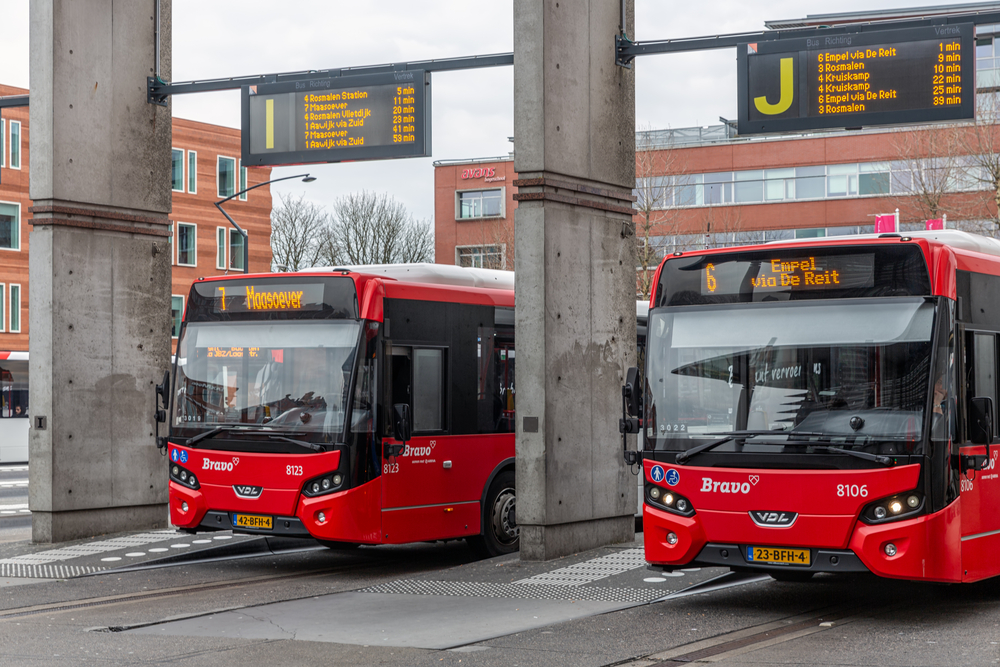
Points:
(306, 178)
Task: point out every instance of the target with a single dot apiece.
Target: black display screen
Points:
(278, 298)
(785, 274)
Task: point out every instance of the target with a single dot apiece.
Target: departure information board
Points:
(892, 77)
(367, 117)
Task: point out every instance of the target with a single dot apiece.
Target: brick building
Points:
(205, 168)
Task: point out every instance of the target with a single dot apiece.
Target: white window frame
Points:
(218, 171)
(481, 247)
(3, 142)
(10, 144)
(183, 169)
(18, 235)
(225, 248)
(10, 308)
(503, 204)
(172, 297)
(241, 180)
(230, 247)
(191, 174)
(178, 244)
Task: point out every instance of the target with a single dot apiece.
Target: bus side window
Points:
(401, 377)
(984, 361)
(428, 389)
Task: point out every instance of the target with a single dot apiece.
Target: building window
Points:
(15, 144)
(779, 184)
(719, 188)
(841, 180)
(226, 176)
(187, 244)
(15, 309)
(177, 170)
(480, 204)
(10, 226)
(220, 247)
(810, 182)
(749, 186)
(489, 257)
(3, 142)
(243, 182)
(193, 172)
(235, 250)
(3, 314)
(176, 314)
(873, 178)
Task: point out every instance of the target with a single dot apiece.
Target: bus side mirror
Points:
(981, 420)
(631, 392)
(400, 427)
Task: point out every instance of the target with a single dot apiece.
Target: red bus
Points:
(294, 397)
(823, 406)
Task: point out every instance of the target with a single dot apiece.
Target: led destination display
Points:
(336, 119)
(913, 75)
(788, 274)
(263, 298)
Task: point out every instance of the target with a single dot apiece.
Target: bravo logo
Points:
(420, 451)
(992, 464)
(224, 466)
(708, 485)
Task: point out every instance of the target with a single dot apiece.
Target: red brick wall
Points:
(449, 231)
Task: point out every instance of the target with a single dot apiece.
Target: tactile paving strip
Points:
(89, 549)
(516, 590)
(17, 570)
(590, 570)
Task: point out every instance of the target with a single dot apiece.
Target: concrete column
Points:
(574, 138)
(99, 267)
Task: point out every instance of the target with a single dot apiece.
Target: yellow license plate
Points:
(778, 555)
(252, 521)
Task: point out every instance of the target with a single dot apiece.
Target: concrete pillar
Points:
(99, 267)
(574, 137)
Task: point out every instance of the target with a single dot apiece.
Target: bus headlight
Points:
(668, 500)
(328, 483)
(899, 506)
(183, 477)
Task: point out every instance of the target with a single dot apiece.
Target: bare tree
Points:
(297, 226)
(371, 228)
(980, 146)
(927, 172)
(499, 234)
(723, 227)
(657, 174)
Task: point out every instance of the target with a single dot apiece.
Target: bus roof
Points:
(948, 237)
(432, 274)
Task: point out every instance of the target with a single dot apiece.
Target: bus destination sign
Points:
(890, 77)
(788, 274)
(366, 117)
(230, 298)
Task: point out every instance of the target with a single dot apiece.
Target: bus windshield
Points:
(287, 376)
(847, 372)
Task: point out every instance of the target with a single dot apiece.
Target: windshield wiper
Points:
(884, 460)
(221, 429)
(302, 443)
(685, 455)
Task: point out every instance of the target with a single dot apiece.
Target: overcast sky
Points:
(472, 110)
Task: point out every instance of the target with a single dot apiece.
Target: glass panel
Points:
(227, 176)
(235, 250)
(186, 244)
(15, 308)
(177, 170)
(807, 367)
(243, 183)
(813, 187)
(9, 227)
(470, 204)
(3, 142)
(428, 390)
(176, 313)
(871, 167)
(749, 186)
(817, 170)
(290, 376)
(778, 234)
(836, 186)
(836, 169)
(986, 369)
(220, 248)
(774, 190)
(192, 172)
(810, 233)
(874, 184)
(15, 144)
(984, 47)
(14, 389)
(491, 203)
(841, 231)
(718, 188)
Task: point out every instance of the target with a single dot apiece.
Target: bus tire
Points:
(501, 534)
(792, 576)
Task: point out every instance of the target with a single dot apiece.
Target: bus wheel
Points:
(797, 577)
(339, 546)
(501, 534)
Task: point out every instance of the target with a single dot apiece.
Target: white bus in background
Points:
(13, 407)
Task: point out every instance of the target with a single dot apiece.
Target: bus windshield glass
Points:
(287, 376)
(846, 372)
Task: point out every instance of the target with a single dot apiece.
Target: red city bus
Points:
(823, 406)
(294, 397)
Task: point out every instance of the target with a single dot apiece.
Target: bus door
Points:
(980, 489)
(428, 491)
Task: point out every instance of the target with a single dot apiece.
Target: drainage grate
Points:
(590, 570)
(533, 591)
